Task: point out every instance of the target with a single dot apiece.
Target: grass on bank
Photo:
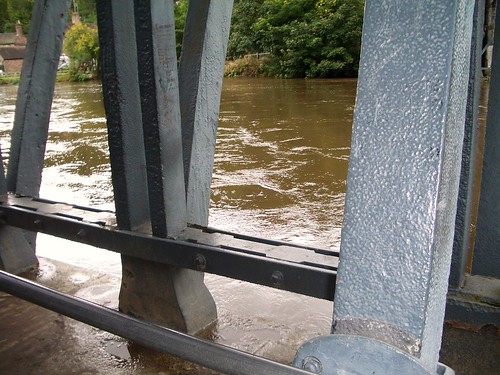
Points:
(9, 79)
(247, 66)
(62, 76)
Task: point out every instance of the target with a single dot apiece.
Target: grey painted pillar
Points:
(486, 261)
(120, 85)
(200, 75)
(16, 254)
(161, 120)
(461, 242)
(34, 96)
(402, 186)
(142, 105)
(31, 123)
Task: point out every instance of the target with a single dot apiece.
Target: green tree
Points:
(307, 38)
(87, 10)
(4, 16)
(180, 13)
(82, 47)
(338, 24)
(12, 11)
(243, 39)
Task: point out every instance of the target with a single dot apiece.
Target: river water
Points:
(280, 172)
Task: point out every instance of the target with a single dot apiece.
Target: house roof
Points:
(12, 53)
(7, 38)
(12, 39)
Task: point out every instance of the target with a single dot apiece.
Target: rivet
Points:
(200, 262)
(277, 278)
(312, 364)
(81, 233)
(38, 223)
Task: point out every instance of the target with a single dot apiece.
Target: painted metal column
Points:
(31, 123)
(461, 242)
(200, 77)
(161, 119)
(143, 112)
(16, 254)
(402, 190)
(120, 85)
(486, 261)
(34, 96)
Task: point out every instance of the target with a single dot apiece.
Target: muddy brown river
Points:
(280, 172)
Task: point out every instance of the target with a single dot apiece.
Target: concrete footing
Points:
(182, 301)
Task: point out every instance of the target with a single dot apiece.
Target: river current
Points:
(280, 172)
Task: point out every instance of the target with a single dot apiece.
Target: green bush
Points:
(81, 44)
(247, 66)
(307, 38)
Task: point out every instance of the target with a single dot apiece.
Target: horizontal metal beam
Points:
(214, 356)
(237, 263)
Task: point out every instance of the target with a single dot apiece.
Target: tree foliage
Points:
(87, 10)
(12, 11)
(243, 39)
(307, 38)
(82, 47)
(180, 13)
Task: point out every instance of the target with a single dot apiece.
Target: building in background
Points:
(12, 46)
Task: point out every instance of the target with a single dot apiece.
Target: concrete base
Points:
(168, 296)
(17, 254)
(470, 351)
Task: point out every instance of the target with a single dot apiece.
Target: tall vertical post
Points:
(143, 112)
(486, 260)
(200, 77)
(34, 96)
(16, 254)
(402, 189)
(161, 120)
(461, 241)
(31, 123)
(120, 86)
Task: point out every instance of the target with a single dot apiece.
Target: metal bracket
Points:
(357, 355)
(299, 269)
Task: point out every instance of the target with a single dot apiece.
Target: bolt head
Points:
(200, 262)
(277, 278)
(312, 364)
